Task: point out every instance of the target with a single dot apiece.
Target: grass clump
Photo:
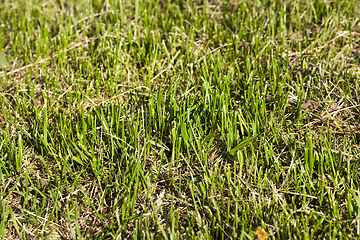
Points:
(179, 119)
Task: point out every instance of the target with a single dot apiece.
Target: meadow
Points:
(203, 119)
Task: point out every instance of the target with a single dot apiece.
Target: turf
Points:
(179, 119)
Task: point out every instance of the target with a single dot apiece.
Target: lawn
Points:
(180, 119)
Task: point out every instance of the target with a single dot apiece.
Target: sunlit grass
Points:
(179, 119)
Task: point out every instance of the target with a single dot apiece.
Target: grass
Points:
(180, 119)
